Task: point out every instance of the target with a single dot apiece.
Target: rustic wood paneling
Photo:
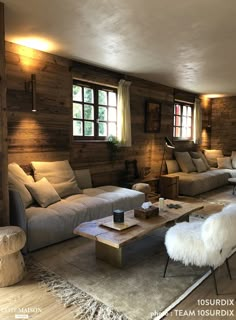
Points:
(47, 134)
(4, 208)
(223, 124)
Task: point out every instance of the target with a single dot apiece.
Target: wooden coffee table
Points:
(110, 243)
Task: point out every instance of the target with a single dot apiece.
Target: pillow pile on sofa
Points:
(59, 174)
(185, 162)
(212, 155)
(17, 178)
(54, 180)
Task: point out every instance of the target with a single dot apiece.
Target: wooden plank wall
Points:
(46, 134)
(223, 124)
(4, 210)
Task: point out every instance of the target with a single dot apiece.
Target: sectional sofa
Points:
(49, 206)
(200, 172)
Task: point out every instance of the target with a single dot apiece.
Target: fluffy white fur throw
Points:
(206, 243)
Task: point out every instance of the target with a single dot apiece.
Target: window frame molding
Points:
(96, 86)
(183, 103)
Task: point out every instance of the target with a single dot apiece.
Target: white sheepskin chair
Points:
(205, 243)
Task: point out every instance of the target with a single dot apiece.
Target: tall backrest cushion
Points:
(59, 174)
(218, 231)
(17, 179)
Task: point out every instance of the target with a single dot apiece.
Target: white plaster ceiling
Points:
(186, 44)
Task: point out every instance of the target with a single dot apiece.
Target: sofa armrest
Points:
(17, 210)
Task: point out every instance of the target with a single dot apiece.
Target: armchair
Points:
(205, 243)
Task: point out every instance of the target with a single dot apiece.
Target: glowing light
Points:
(35, 43)
(213, 95)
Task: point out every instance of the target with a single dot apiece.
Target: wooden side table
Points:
(169, 187)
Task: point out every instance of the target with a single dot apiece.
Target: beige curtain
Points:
(197, 128)
(123, 119)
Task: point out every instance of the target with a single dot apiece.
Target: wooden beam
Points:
(4, 206)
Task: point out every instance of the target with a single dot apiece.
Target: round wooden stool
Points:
(233, 182)
(12, 266)
(142, 187)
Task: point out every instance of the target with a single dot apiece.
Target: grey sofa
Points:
(55, 222)
(198, 175)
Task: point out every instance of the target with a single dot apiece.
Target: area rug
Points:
(138, 291)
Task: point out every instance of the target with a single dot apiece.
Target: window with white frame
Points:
(94, 111)
(183, 121)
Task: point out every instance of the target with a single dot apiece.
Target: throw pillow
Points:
(59, 174)
(224, 163)
(17, 178)
(233, 158)
(200, 165)
(43, 192)
(83, 178)
(185, 161)
(212, 155)
(172, 166)
(199, 154)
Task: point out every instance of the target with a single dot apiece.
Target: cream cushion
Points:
(200, 165)
(185, 161)
(199, 154)
(17, 179)
(59, 174)
(212, 155)
(233, 158)
(43, 192)
(83, 178)
(172, 166)
(224, 163)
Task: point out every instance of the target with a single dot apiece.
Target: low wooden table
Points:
(110, 243)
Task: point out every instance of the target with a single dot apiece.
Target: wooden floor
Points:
(40, 304)
(44, 306)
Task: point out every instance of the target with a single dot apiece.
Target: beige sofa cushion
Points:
(43, 192)
(224, 163)
(59, 174)
(185, 161)
(233, 158)
(212, 155)
(200, 165)
(172, 166)
(199, 154)
(83, 178)
(17, 179)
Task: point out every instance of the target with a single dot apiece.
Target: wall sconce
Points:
(30, 86)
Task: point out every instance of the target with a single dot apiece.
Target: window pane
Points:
(189, 132)
(77, 93)
(77, 111)
(184, 110)
(177, 130)
(102, 97)
(112, 99)
(88, 95)
(88, 112)
(189, 111)
(112, 129)
(88, 128)
(184, 121)
(102, 113)
(102, 129)
(189, 121)
(178, 121)
(177, 109)
(112, 114)
(77, 128)
(184, 132)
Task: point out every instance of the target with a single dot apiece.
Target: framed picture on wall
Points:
(152, 116)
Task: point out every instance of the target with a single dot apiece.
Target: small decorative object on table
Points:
(146, 211)
(118, 216)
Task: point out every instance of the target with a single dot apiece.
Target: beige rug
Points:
(100, 291)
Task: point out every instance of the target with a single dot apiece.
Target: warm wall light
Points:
(37, 43)
(30, 86)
